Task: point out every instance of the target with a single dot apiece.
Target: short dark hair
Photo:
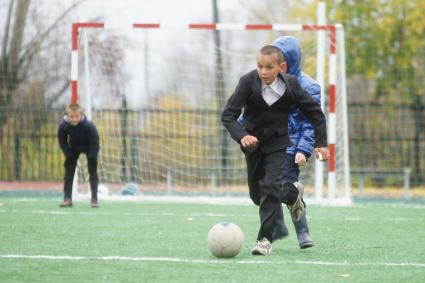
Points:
(74, 107)
(273, 50)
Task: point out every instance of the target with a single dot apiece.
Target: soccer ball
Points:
(130, 189)
(225, 240)
(103, 190)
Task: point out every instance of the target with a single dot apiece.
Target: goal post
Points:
(155, 93)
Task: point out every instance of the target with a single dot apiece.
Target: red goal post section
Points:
(331, 29)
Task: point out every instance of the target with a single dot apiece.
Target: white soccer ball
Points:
(225, 239)
(103, 190)
(130, 189)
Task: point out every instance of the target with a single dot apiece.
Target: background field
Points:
(164, 242)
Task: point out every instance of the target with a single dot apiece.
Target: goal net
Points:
(156, 94)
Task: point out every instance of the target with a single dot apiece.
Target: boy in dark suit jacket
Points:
(266, 97)
(78, 135)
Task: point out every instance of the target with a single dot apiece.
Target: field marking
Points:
(211, 261)
(213, 200)
(225, 201)
(196, 214)
(70, 212)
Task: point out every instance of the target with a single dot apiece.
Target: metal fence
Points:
(387, 138)
(383, 138)
(29, 150)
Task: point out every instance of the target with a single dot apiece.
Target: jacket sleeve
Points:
(233, 108)
(63, 141)
(306, 141)
(312, 110)
(93, 142)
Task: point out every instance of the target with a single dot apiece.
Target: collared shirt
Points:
(271, 93)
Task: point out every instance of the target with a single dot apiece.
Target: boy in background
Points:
(76, 135)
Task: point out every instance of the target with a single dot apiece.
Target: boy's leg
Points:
(280, 230)
(272, 193)
(291, 171)
(291, 174)
(93, 178)
(70, 164)
(269, 209)
(303, 233)
(255, 172)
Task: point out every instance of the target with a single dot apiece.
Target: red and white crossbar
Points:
(331, 29)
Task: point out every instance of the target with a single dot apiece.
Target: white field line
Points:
(215, 200)
(70, 212)
(191, 215)
(206, 261)
(244, 201)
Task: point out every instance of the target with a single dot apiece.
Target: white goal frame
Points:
(336, 40)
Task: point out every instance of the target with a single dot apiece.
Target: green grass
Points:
(166, 242)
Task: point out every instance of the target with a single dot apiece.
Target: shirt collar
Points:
(278, 86)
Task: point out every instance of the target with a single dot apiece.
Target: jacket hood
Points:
(82, 120)
(290, 48)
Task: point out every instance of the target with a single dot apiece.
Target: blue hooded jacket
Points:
(300, 130)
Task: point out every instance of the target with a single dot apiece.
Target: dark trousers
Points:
(291, 171)
(70, 166)
(266, 187)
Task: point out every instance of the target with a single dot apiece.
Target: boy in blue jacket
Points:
(300, 130)
(78, 135)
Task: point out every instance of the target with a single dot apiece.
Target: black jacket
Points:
(82, 138)
(270, 123)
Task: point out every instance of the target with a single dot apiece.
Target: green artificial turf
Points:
(166, 242)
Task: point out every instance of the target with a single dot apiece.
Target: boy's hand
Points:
(249, 141)
(322, 153)
(300, 159)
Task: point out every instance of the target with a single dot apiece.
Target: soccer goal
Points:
(156, 93)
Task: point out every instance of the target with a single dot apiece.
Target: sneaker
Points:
(262, 247)
(94, 204)
(297, 208)
(66, 203)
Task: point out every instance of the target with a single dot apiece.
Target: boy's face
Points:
(268, 68)
(74, 117)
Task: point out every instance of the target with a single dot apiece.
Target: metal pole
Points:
(343, 85)
(169, 182)
(124, 118)
(407, 182)
(88, 106)
(17, 168)
(417, 141)
(213, 184)
(219, 88)
(320, 77)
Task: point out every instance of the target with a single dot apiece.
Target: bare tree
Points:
(20, 60)
(11, 46)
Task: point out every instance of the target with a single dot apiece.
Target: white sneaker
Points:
(262, 247)
(297, 208)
